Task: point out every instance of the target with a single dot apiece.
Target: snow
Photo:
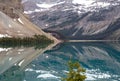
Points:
(45, 5)
(83, 2)
(103, 4)
(47, 56)
(4, 49)
(10, 26)
(46, 24)
(47, 76)
(4, 35)
(20, 21)
(88, 3)
(28, 12)
(95, 74)
(42, 7)
(36, 10)
(91, 5)
(21, 62)
(29, 69)
(10, 58)
(82, 6)
(43, 73)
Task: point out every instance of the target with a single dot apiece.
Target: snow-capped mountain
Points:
(76, 19)
(32, 6)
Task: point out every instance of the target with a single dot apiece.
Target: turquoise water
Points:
(101, 61)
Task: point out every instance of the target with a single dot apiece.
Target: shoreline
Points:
(92, 40)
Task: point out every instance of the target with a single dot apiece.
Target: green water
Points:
(101, 61)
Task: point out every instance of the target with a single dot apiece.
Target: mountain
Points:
(75, 20)
(13, 23)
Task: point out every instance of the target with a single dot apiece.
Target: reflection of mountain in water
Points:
(13, 60)
(101, 61)
(12, 74)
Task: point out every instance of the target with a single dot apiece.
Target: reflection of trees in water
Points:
(13, 74)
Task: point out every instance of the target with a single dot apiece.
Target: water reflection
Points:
(13, 60)
(101, 60)
(13, 74)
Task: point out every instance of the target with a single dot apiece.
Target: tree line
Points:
(36, 40)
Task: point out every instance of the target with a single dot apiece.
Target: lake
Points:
(101, 61)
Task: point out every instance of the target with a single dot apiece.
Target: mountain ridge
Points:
(74, 22)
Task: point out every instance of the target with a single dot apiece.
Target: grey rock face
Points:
(74, 21)
(8, 7)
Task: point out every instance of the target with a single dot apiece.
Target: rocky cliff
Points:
(8, 7)
(77, 20)
(13, 22)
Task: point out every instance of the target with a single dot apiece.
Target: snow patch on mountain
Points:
(83, 2)
(91, 5)
(44, 5)
(9, 26)
(4, 49)
(48, 5)
(20, 21)
(28, 12)
(80, 5)
(36, 10)
(4, 35)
